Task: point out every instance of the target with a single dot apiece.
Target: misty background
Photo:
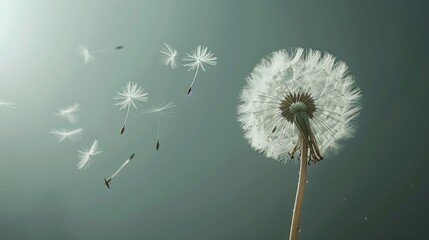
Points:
(206, 182)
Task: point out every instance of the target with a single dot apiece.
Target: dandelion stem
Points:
(120, 168)
(294, 227)
(158, 126)
(157, 142)
(126, 116)
(193, 80)
(125, 121)
(103, 50)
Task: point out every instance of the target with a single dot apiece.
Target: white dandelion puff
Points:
(69, 113)
(85, 54)
(201, 57)
(158, 111)
(129, 96)
(4, 105)
(107, 181)
(168, 55)
(72, 135)
(86, 155)
(297, 101)
(88, 55)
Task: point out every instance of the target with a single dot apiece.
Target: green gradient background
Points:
(206, 182)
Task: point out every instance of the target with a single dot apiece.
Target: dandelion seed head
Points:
(158, 109)
(69, 113)
(130, 95)
(62, 134)
(201, 57)
(86, 155)
(85, 54)
(168, 55)
(4, 105)
(287, 91)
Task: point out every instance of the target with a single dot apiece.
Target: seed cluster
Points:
(294, 102)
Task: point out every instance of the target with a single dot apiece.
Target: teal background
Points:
(206, 182)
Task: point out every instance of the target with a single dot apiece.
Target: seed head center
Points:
(297, 106)
(297, 102)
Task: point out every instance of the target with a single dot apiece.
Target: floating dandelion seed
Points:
(168, 56)
(199, 58)
(158, 111)
(73, 135)
(86, 155)
(69, 113)
(6, 105)
(107, 181)
(294, 102)
(130, 95)
(88, 55)
(85, 54)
